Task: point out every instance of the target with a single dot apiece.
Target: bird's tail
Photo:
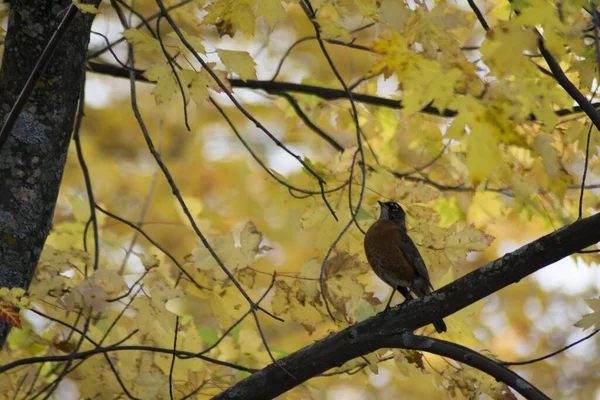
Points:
(439, 326)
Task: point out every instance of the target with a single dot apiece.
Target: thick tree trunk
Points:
(33, 158)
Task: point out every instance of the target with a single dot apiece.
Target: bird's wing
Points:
(410, 251)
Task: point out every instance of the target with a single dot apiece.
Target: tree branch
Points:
(467, 356)
(382, 329)
(277, 88)
(568, 86)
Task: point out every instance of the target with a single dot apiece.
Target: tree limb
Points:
(382, 329)
(464, 355)
(278, 87)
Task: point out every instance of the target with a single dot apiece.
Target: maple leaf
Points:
(152, 318)
(342, 285)
(592, 319)
(542, 144)
(239, 62)
(93, 292)
(194, 41)
(271, 11)
(196, 84)
(142, 41)
(166, 84)
(286, 302)
(9, 313)
(330, 24)
(394, 13)
(460, 242)
(86, 8)
(229, 16)
(409, 362)
(233, 257)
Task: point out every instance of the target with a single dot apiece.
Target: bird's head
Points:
(392, 211)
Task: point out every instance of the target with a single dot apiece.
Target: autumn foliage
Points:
(226, 223)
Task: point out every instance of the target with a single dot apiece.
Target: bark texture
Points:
(32, 159)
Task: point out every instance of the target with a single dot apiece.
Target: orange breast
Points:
(382, 248)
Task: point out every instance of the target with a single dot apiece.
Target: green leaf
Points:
(208, 335)
(363, 215)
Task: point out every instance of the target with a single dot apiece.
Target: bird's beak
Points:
(381, 204)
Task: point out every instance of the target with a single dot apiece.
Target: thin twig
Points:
(154, 243)
(236, 323)
(87, 179)
(171, 182)
(567, 85)
(226, 91)
(479, 15)
(145, 22)
(259, 160)
(63, 373)
(173, 360)
(534, 360)
(307, 38)
(145, 206)
(353, 211)
(175, 74)
(585, 169)
(116, 348)
(309, 123)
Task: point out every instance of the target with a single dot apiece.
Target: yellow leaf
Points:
(309, 279)
(227, 304)
(110, 281)
(166, 84)
(394, 13)
(86, 8)
(341, 281)
(271, 10)
(152, 385)
(148, 262)
(468, 239)
(290, 300)
(483, 155)
(359, 309)
(142, 41)
(93, 292)
(153, 319)
(239, 62)
(409, 362)
(229, 16)
(503, 51)
(186, 306)
(197, 84)
(162, 291)
(317, 220)
(426, 81)
(592, 319)
(448, 210)
(251, 346)
(542, 145)
(486, 207)
(247, 277)
(330, 24)
(281, 302)
(194, 41)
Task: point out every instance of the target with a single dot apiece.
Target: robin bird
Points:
(394, 257)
